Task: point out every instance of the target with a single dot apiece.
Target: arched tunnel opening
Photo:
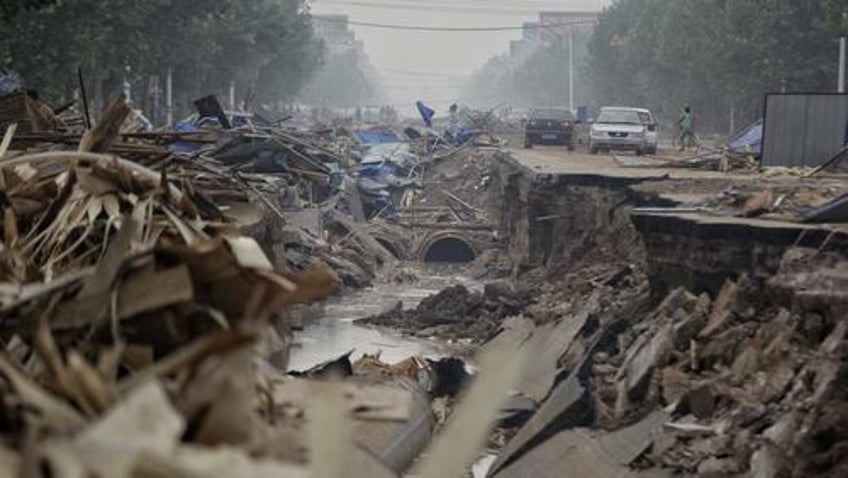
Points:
(449, 249)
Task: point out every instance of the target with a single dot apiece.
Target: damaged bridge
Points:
(448, 242)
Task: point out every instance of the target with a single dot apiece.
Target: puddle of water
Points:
(335, 334)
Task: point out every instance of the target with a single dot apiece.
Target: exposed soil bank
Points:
(562, 221)
(549, 220)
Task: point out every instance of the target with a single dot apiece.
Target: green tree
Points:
(716, 55)
(265, 46)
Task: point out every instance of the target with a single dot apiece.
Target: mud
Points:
(455, 313)
(336, 332)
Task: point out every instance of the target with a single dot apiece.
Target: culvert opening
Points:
(449, 249)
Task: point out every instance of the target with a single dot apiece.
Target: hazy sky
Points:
(430, 65)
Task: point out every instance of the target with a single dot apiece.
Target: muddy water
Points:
(335, 334)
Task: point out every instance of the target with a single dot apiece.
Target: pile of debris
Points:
(455, 313)
(752, 381)
(780, 199)
(120, 287)
(290, 187)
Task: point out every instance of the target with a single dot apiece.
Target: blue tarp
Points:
(375, 136)
(185, 126)
(749, 140)
(8, 84)
(426, 113)
(377, 170)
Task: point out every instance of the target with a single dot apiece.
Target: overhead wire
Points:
(390, 26)
(441, 7)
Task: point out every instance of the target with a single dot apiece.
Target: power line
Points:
(452, 29)
(443, 7)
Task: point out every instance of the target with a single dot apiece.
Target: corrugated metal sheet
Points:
(804, 129)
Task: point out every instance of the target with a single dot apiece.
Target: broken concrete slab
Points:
(578, 453)
(714, 467)
(566, 407)
(722, 309)
(783, 431)
(746, 362)
(513, 330)
(766, 462)
(835, 338)
(649, 356)
(674, 384)
(770, 386)
(570, 453)
(689, 429)
(549, 344)
(701, 401)
(692, 323)
(627, 444)
(679, 298)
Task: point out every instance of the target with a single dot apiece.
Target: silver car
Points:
(624, 129)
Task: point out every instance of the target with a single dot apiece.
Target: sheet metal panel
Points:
(803, 129)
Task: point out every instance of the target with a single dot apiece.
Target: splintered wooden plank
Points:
(107, 130)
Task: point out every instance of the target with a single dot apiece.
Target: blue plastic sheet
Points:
(8, 84)
(375, 136)
(377, 170)
(750, 140)
(185, 126)
(426, 113)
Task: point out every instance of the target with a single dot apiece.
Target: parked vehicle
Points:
(549, 126)
(624, 129)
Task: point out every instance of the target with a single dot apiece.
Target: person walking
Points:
(687, 131)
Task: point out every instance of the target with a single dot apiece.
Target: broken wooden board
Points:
(21, 109)
(107, 130)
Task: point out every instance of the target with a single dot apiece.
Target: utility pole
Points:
(127, 87)
(169, 99)
(570, 70)
(732, 118)
(841, 84)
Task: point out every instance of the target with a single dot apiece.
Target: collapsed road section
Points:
(674, 333)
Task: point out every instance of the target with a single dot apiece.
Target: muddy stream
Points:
(334, 333)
